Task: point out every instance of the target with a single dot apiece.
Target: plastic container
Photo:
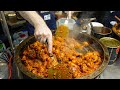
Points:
(64, 21)
(19, 37)
(113, 46)
(21, 34)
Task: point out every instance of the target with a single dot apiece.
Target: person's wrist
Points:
(37, 26)
(40, 25)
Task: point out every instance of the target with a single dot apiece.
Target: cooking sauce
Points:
(110, 42)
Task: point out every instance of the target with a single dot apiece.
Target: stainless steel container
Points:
(113, 46)
(100, 32)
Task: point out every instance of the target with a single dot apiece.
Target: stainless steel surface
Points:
(112, 71)
(113, 54)
(116, 35)
(16, 73)
(100, 32)
(6, 29)
(3, 70)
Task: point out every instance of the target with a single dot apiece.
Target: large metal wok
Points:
(94, 45)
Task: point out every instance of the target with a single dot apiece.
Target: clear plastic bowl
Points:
(68, 22)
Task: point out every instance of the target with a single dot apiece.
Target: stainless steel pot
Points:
(100, 32)
(93, 45)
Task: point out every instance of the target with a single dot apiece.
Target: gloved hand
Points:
(43, 33)
(113, 23)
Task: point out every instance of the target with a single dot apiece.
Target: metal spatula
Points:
(59, 71)
(54, 61)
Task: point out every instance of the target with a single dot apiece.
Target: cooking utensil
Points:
(54, 61)
(113, 45)
(60, 71)
(117, 18)
(53, 57)
(57, 69)
(100, 32)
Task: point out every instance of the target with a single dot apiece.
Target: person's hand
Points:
(113, 23)
(43, 33)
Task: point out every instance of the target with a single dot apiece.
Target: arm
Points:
(42, 32)
(32, 17)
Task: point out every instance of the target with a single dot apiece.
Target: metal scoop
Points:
(53, 57)
(59, 71)
(54, 61)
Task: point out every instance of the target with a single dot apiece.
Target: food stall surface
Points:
(112, 71)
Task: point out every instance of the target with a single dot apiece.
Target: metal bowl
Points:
(100, 32)
(94, 44)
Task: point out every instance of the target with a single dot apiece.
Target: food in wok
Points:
(37, 60)
(116, 28)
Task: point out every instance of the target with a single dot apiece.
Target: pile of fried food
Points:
(37, 60)
(116, 28)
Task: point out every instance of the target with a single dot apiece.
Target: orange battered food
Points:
(116, 28)
(37, 60)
